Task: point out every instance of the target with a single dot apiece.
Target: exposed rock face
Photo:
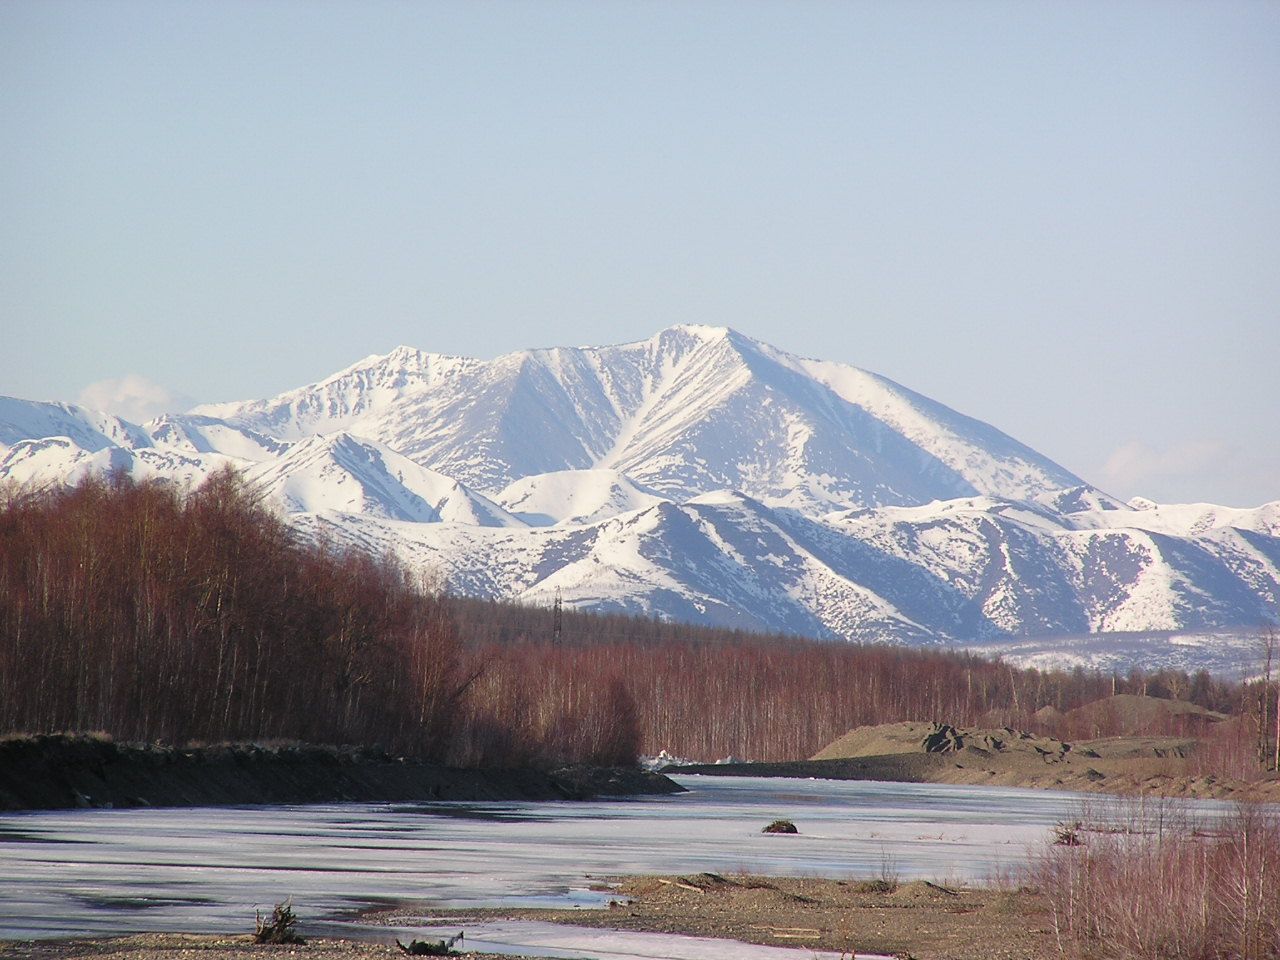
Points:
(943, 738)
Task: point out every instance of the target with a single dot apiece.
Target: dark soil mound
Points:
(53, 772)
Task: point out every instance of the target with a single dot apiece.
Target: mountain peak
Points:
(405, 353)
(702, 331)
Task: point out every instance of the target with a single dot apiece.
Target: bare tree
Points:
(1267, 757)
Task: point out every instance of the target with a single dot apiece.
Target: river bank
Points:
(882, 917)
(186, 946)
(65, 772)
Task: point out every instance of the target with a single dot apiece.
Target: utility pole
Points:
(1272, 642)
(557, 618)
(1268, 643)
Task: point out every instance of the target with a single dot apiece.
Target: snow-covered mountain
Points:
(88, 429)
(700, 475)
(691, 410)
(61, 459)
(339, 473)
(574, 497)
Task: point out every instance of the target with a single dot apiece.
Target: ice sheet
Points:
(531, 938)
(207, 869)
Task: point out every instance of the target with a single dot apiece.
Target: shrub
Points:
(1150, 886)
(1067, 833)
(280, 928)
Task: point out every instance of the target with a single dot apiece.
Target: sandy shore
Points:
(917, 919)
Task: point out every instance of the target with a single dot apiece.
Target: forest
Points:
(154, 614)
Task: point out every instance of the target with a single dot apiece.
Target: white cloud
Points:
(133, 397)
(1138, 467)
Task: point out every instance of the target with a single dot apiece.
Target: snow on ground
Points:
(1230, 653)
(532, 938)
(61, 459)
(341, 473)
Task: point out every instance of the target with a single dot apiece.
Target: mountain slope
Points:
(196, 435)
(574, 496)
(968, 571)
(61, 460)
(88, 429)
(338, 472)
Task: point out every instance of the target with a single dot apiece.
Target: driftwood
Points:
(682, 886)
(788, 933)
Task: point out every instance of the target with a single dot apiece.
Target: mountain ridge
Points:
(642, 407)
(698, 474)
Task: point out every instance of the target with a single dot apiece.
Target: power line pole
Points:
(557, 618)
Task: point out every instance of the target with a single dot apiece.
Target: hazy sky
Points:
(1063, 219)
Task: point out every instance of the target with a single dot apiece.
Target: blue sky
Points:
(1063, 219)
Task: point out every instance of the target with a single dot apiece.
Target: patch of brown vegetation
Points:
(1127, 714)
(1153, 886)
(780, 826)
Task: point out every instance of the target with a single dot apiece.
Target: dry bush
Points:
(280, 929)
(1148, 883)
(1230, 749)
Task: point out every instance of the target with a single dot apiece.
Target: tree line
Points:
(150, 613)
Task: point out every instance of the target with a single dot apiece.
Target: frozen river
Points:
(112, 871)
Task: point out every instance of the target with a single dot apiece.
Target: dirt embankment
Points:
(56, 772)
(920, 752)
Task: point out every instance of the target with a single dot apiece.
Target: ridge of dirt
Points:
(61, 772)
